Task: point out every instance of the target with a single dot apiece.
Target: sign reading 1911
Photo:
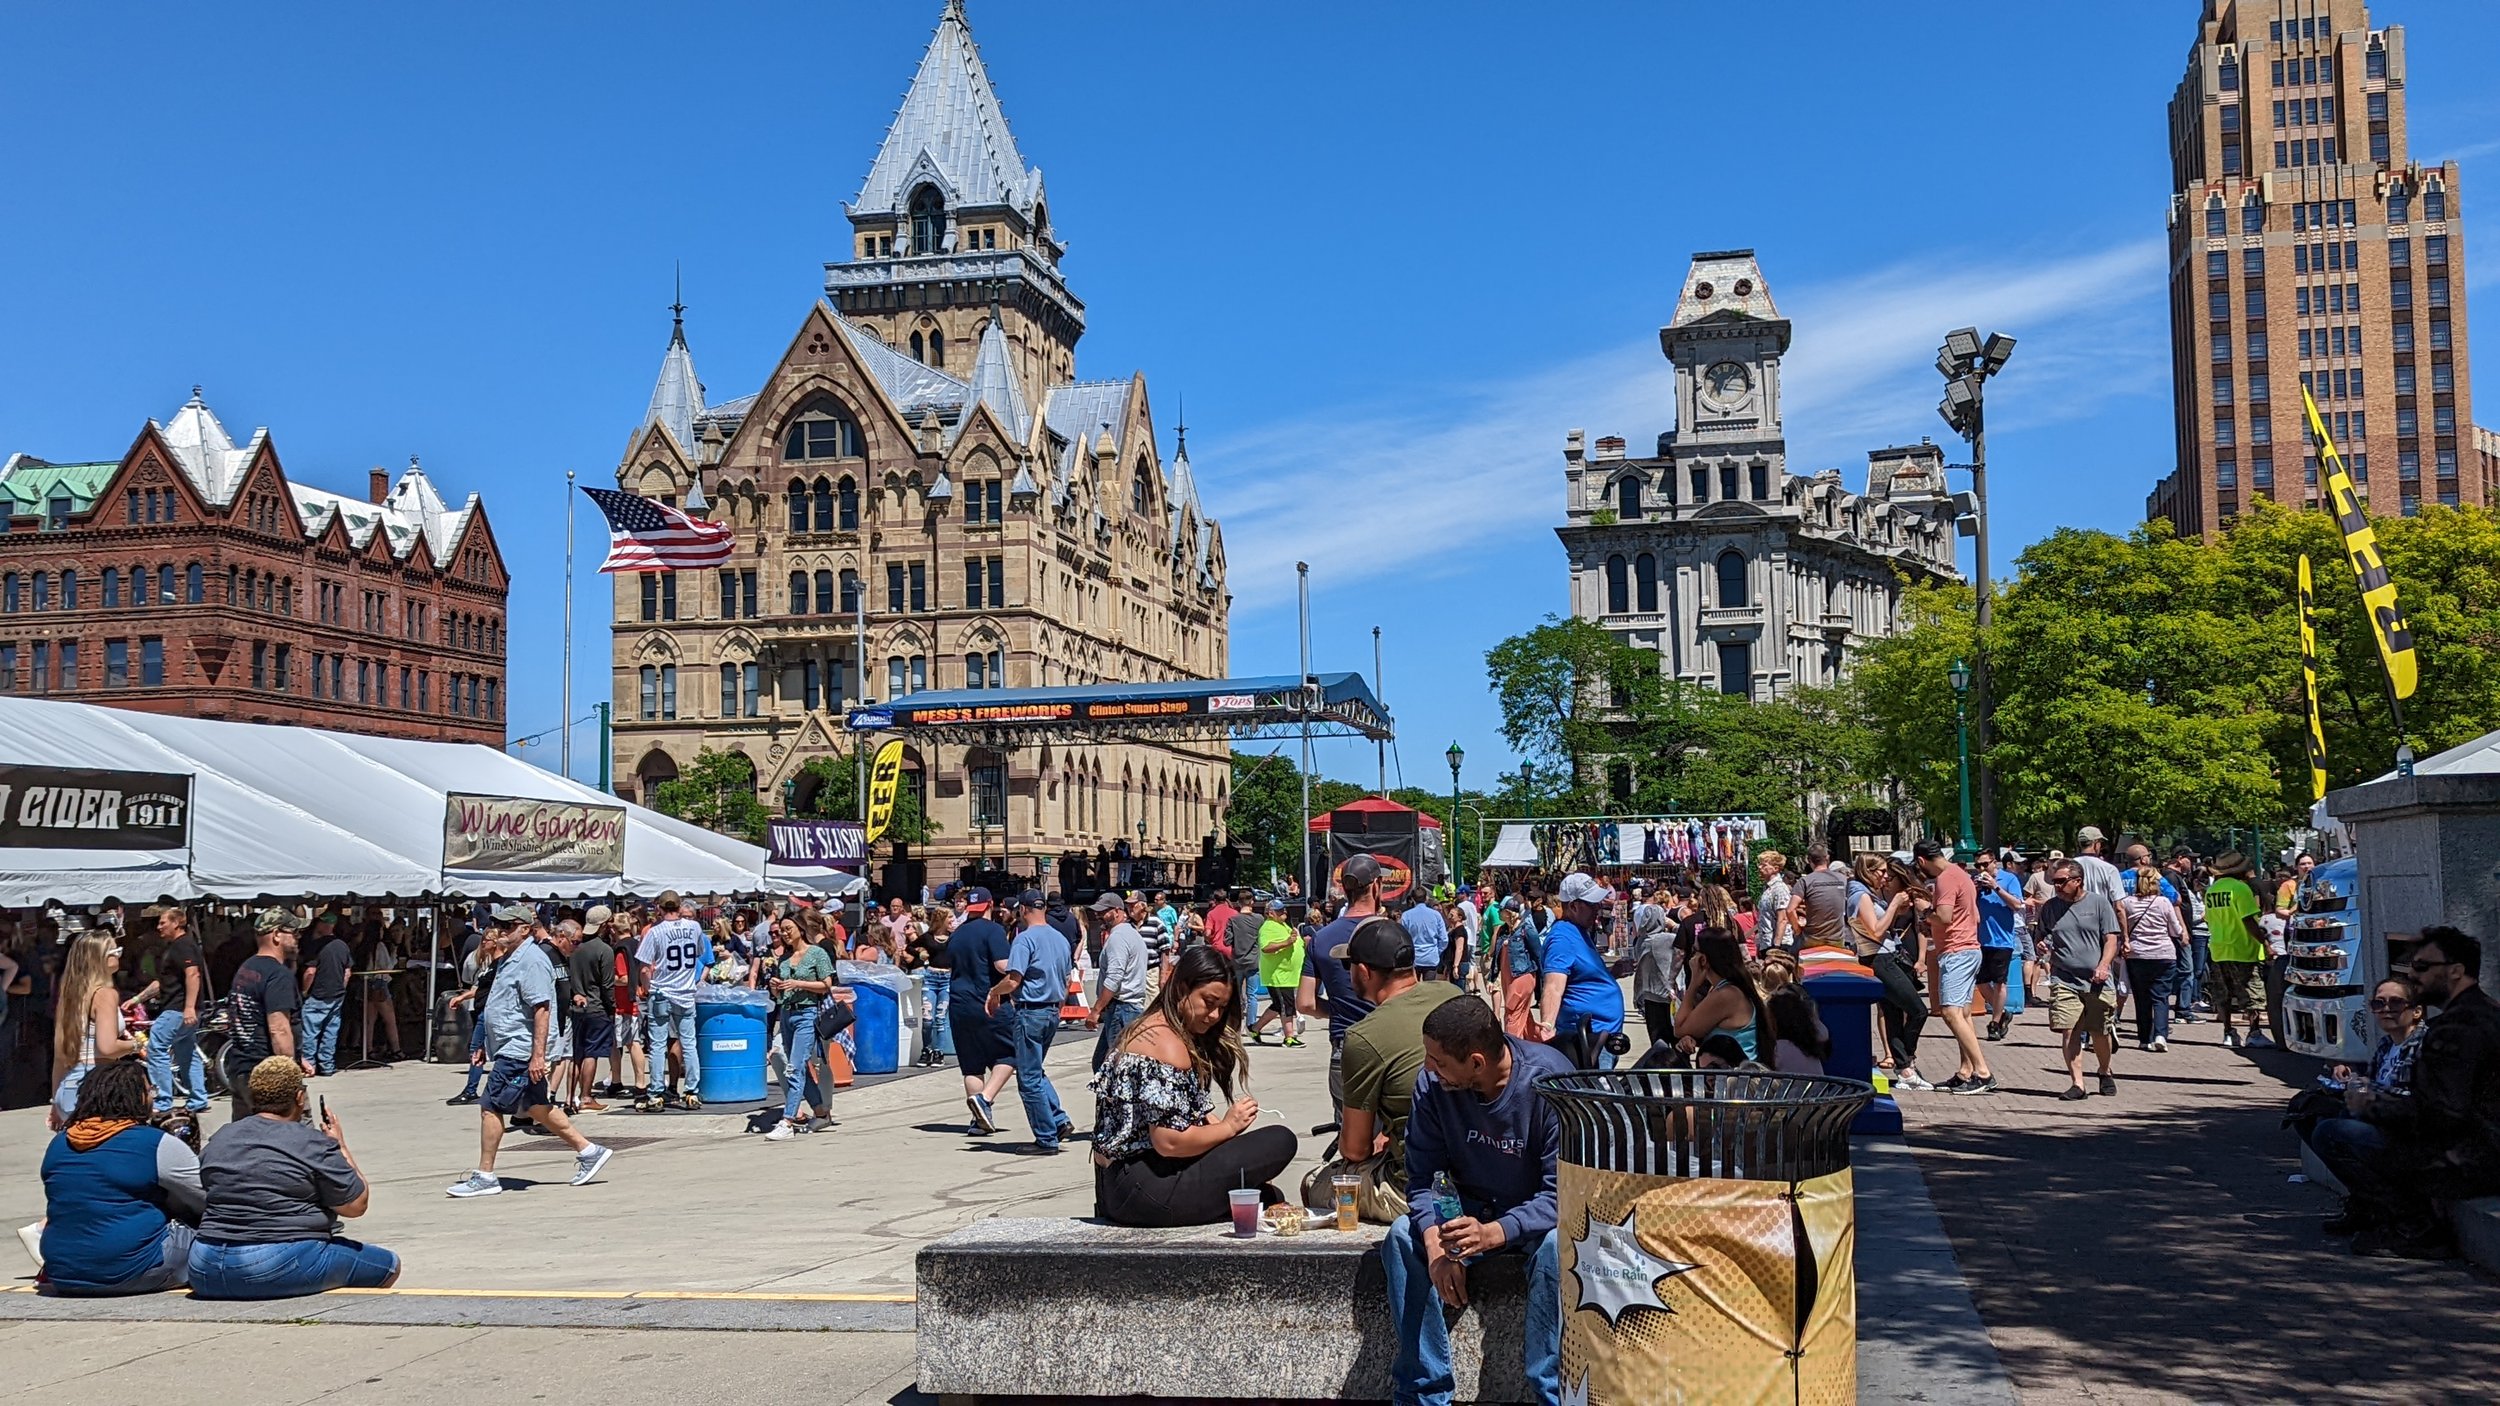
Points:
(51, 807)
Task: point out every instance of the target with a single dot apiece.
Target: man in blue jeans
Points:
(674, 954)
(174, 1062)
(1120, 989)
(1036, 982)
(325, 992)
(1476, 1118)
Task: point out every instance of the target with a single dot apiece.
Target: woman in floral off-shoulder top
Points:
(1161, 1155)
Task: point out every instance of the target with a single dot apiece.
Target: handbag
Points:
(1376, 1200)
(832, 1018)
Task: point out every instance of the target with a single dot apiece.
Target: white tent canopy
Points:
(2478, 757)
(1516, 849)
(298, 811)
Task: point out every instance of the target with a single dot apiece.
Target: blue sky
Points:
(1389, 254)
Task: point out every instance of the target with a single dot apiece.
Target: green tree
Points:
(717, 792)
(1263, 813)
(831, 788)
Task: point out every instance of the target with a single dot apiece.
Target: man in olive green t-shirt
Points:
(2238, 949)
(1385, 1049)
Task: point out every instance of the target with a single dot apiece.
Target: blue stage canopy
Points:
(1335, 705)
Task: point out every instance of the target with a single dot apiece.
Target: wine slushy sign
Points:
(518, 835)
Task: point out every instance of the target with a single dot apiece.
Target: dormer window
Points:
(928, 221)
(1628, 497)
(821, 436)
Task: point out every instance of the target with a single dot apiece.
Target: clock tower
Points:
(1725, 340)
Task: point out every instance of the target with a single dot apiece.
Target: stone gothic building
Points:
(1744, 577)
(927, 498)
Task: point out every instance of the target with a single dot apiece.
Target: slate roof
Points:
(950, 129)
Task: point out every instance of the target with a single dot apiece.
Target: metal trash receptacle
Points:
(1707, 1235)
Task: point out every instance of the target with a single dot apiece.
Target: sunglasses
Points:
(2417, 964)
(2389, 1003)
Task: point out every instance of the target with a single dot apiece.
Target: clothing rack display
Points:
(1640, 841)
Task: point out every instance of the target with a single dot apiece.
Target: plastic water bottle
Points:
(1445, 1198)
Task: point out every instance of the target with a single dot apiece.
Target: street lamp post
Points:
(1967, 362)
(1960, 675)
(1457, 756)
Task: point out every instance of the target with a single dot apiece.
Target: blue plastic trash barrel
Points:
(877, 1036)
(729, 1029)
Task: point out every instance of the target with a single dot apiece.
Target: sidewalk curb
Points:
(1920, 1338)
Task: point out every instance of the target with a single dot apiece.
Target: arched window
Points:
(937, 350)
(919, 349)
(165, 585)
(823, 434)
(846, 498)
(823, 498)
(1732, 589)
(798, 505)
(928, 223)
(112, 587)
(43, 590)
(824, 593)
(69, 590)
(1141, 498)
(8, 593)
(1628, 497)
(1645, 583)
(195, 584)
(798, 593)
(1618, 585)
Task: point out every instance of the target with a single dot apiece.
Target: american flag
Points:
(647, 536)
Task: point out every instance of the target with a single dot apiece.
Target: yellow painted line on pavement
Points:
(623, 1294)
(779, 1298)
(488, 1293)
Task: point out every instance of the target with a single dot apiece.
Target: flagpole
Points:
(567, 748)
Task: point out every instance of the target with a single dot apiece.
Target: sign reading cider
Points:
(52, 807)
(519, 835)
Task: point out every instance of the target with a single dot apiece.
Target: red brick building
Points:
(191, 576)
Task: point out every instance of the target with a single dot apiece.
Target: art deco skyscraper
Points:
(2309, 247)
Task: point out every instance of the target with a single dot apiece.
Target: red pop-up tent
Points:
(1406, 841)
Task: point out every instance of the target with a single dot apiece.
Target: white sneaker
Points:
(31, 1236)
(782, 1132)
(1912, 1079)
(476, 1184)
(588, 1161)
(2161, 1044)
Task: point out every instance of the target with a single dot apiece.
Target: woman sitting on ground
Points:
(1161, 1156)
(1719, 998)
(120, 1196)
(1801, 1042)
(276, 1187)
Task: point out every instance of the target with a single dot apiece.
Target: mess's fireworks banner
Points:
(54, 807)
(520, 835)
(1703, 1289)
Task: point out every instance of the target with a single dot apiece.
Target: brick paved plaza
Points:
(2149, 1248)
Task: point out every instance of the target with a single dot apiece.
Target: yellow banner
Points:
(1679, 1289)
(2378, 589)
(885, 776)
(2309, 682)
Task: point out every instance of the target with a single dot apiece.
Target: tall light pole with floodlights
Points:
(1966, 362)
(1457, 756)
(1960, 676)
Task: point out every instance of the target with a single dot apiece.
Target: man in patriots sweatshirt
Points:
(1476, 1118)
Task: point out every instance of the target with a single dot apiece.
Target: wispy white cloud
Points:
(1484, 460)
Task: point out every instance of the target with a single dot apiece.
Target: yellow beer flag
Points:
(2309, 682)
(885, 776)
(2378, 589)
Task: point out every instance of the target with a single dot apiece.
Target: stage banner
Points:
(2309, 682)
(1392, 837)
(885, 776)
(818, 844)
(521, 835)
(2378, 589)
(53, 807)
(1687, 1289)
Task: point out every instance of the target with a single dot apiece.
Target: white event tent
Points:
(296, 811)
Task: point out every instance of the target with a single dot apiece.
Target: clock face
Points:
(1726, 385)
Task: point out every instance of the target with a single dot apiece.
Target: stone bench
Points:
(2477, 1222)
(1051, 1307)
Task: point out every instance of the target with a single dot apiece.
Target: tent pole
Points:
(433, 972)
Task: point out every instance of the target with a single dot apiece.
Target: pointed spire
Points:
(995, 384)
(1180, 429)
(696, 504)
(677, 398)
(950, 129)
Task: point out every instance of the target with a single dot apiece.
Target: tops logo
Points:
(1232, 703)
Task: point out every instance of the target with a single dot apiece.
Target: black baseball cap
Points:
(1379, 943)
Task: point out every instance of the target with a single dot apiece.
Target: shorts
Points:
(980, 1039)
(1995, 964)
(560, 1042)
(288, 1269)
(629, 1030)
(594, 1035)
(509, 1088)
(2238, 988)
(2077, 1005)
(1280, 1001)
(1956, 975)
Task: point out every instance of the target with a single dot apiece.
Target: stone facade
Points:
(193, 577)
(925, 499)
(2305, 239)
(1745, 578)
